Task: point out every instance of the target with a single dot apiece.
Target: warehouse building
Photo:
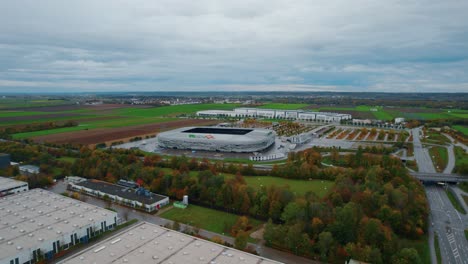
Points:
(12, 186)
(217, 139)
(149, 243)
(244, 112)
(37, 224)
(137, 198)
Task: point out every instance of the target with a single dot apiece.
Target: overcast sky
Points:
(326, 45)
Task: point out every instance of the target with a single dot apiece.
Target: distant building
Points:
(29, 169)
(399, 120)
(12, 186)
(74, 179)
(243, 112)
(4, 160)
(139, 198)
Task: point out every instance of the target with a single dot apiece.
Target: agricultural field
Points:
(9, 103)
(205, 218)
(283, 106)
(463, 129)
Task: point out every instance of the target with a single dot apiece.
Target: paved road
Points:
(458, 143)
(421, 154)
(449, 225)
(125, 212)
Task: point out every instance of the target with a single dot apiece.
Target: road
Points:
(421, 154)
(129, 213)
(445, 219)
(449, 225)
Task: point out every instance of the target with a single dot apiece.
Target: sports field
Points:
(205, 218)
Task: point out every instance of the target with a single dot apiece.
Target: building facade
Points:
(11, 186)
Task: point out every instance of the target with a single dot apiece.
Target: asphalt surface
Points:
(449, 225)
(421, 154)
(445, 221)
(127, 213)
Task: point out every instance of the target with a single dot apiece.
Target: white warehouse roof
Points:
(149, 243)
(7, 183)
(30, 219)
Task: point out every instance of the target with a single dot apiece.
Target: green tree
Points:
(325, 243)
(240, 242)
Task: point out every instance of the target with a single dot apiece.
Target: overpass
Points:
(439, 177)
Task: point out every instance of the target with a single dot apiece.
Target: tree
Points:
(407, 256)
(325, 243)
(240, 242)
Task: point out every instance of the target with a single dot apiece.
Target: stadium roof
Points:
(121, 191)
(28, 219)
(218, 130)
(149, 243)
(7, 183)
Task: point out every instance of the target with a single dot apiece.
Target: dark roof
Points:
(124, 192)
(218, 130)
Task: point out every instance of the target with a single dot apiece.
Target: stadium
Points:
(217, 139)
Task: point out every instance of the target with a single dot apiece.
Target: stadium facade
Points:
(217, 139)
(277, 113)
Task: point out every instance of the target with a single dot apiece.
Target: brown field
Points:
(24, 118)
(96, 136)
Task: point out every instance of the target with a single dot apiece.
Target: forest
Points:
(373, 205)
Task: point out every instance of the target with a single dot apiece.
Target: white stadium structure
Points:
(217, 139)
(277, 113)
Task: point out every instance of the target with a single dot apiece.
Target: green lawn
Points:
(466, 234)
(463, 129)
(11, 113)
(439, 156)
(382, 115)
(283, 106)
(437, 249)
(299, 187)
(455, 202)
(205, 218)
(173, 110)
(436, 138)
(461, 157)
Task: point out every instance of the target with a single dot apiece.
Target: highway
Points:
(445, 221)
(449, 225)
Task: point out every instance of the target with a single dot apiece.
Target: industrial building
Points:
(29, 169)
(137, 198)
(217, 139)
(12, 186)
(278, 114)
(5, 160)
(149, 243)
(37, 224)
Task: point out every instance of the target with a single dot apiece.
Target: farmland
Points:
(283, 106)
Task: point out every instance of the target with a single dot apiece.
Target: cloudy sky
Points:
(265, 45)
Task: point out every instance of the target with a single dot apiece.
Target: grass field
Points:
(455, 202)
(205, 218)
(437, 249)
(172, 111)
(8, 103)
(439, 156)
(461, 157)
(463, 129)
(67, 159)
(435, 138)
(299, 187)
(283, 106)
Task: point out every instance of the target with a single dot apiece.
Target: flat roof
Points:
(8, 183)
(150, 243)
(29, 219)
(218, 130)
(121, 191)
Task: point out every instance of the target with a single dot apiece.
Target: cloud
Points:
(360, 45)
